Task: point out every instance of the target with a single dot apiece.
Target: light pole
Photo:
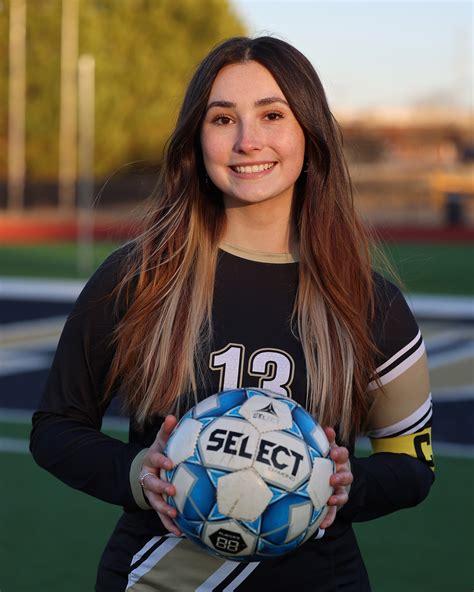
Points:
(16, 105)
(68, 105)
(86, 164)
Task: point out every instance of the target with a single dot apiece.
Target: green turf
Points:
(14, 430)
(433, 268)
(22, 430)
(51, 537)
(423, 267)
(428, 547)
(49, 260)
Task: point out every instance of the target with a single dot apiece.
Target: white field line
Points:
(23, 417)
(120, 424)
(32, 334)
(26, 346)
(424, 305)
(449, 357)
(21, 446)
(39, 289)
(14, 446)
(442, 307)
(15, 362)
(448, 336)
(454, 394)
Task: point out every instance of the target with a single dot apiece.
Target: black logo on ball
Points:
(269, 409)
(227, 541)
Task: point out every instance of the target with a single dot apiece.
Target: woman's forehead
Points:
(248, 81)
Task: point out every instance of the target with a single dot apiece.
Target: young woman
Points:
(253, 270)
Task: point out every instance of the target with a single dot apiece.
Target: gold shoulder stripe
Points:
(417, 445)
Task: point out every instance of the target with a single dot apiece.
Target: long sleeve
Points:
(66, 438)
(384, 483)
(400, 472)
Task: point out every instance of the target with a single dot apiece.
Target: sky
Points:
(379, 53)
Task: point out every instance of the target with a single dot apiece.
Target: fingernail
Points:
(169, 490)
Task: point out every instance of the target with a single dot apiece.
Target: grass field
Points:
(51, 536)
(427, 268)
(57, 534)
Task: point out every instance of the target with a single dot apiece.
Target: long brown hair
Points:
(170, 273)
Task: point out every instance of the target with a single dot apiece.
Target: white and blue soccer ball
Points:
(251, 471)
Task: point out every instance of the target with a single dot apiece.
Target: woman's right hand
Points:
(153, 486)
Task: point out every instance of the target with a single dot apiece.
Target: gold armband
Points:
(417, 445)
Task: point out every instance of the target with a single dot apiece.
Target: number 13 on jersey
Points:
(274, 368)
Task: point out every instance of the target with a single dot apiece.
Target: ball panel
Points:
(202, 496)
(300, 516)
(269, 550)
(229, 538)
(319, 488)
(252, 392)
(313, 529)
(195, 493)
(286, 519)
(254, 526)
(312, 431)
(321, 517)
(184, 481)
(217, 405)
(228, 443)
(278, 493)
(215, 515)
(214, 475)
(282, 460)
(242, 495)
(266, 414)
(182, 442)
(321, 440)
(190, 527)
(206, 407)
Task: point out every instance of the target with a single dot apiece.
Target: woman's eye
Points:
(274, 116)
(222, 120)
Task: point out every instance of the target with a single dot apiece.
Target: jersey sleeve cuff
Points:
(135, 486)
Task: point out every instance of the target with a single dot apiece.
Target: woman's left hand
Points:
(340, 480)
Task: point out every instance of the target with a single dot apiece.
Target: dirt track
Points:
(46, 227)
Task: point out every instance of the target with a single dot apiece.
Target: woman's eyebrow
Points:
(261, 102)
(269, 101)
(222, 104)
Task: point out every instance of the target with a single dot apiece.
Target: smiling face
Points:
(252, 144)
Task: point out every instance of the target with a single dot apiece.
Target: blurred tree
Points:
(145, 51)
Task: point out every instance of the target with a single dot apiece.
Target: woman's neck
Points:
(262, 229)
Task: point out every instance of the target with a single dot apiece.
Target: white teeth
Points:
(256, 168)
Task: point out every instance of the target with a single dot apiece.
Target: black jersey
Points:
(253, 345)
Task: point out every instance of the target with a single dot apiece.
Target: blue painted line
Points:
(451, 346)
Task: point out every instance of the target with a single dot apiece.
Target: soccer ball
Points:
(251, 472)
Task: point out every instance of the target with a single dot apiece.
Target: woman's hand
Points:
(153, 486)
(341, 480)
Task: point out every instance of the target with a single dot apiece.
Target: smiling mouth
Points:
(254, 168)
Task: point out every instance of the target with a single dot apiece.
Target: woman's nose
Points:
(249, 138)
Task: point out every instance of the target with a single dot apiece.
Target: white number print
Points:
(229, 362)
(274, 367)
